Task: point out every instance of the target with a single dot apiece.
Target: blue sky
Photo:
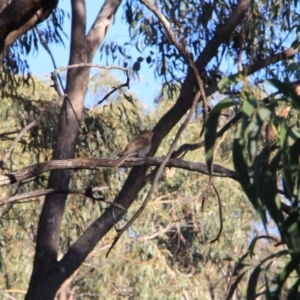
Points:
(146, 88)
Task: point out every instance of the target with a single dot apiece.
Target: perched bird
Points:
(139, 146)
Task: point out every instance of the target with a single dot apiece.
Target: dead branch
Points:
(89, 65)
(55, 73)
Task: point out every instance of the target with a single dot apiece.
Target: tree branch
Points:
(20, 16)
(100, 27)
(94, 163)
(182, 50)
(88, 192)
(222, 34)
(256, 66)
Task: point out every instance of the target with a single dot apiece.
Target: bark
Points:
(21, 15)
(48, 274)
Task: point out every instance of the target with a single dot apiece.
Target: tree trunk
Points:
(48, 274)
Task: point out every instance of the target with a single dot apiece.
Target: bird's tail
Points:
(119, 161)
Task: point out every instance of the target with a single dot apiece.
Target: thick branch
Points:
(20, 16)
(94, 163)
(222, 34)
(100, 27)
(255, 67)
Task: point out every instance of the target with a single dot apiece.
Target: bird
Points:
(140, 146)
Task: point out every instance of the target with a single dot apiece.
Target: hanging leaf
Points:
(234, 286)
(242, 169)
(211, 130)
(251, 288)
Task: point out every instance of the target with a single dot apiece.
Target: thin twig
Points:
(82, 65)
(4, 134)
(204, 195)
(183, 51)
(126, 84)
(46, 47)
(190, 147)
(28, 127)
(54, 75)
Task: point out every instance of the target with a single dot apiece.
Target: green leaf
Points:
(242, 169)
(295, 44)
(234, 285)
(252, 246)
(293, 67)
(268, 191)
(226, 82)
(291, 230)
(247, 109)
(262, 117)
(211, 130)
(251, 288)
(290, 159)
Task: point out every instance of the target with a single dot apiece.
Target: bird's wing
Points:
(136, 145)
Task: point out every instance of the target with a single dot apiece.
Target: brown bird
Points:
(140, 146)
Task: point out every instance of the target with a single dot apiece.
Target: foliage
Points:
(265, 30)
(15, 61)
(268, 171)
